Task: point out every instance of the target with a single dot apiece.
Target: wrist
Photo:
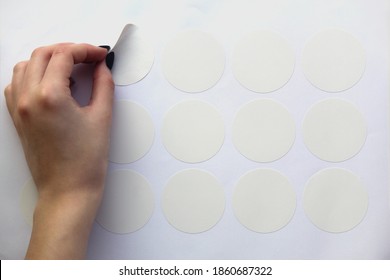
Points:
(74, 205)
(67, 189)
(62, 224)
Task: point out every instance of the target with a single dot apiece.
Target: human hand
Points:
(66, 146)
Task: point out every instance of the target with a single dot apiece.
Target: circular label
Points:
(263, 130)
(132, 132)
(193, 201)
(127, 203)
(264, 200)
(193, 131)
(193, 61)
(335, 200)
(263, 61)
(333, 60)
(334, 130)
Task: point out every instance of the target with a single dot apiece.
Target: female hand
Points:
(66, 146)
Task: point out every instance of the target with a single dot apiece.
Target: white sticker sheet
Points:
(310, 158)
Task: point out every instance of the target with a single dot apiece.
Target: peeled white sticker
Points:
(263, 130)
(333, 60)
(127, 204)
(335, 200)
(193, 131)
(134, 56)
(193, 61)
(334, 130)
(28, 200)
(263, 61)
(264, 200)
(132, 132)
(193, 201)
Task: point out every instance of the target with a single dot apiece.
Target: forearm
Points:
(62, 225)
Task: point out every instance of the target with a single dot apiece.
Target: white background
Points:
(25, 25)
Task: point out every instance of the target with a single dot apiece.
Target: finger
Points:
(63, 59)
(9, 100)
(18, 77)
(38, 63)
(14, 90)
(102, 91)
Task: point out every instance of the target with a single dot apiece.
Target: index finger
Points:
(64, 57)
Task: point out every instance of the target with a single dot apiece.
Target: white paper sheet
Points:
(24, 27)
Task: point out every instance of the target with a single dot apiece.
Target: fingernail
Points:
(108, 48)
(110, 60)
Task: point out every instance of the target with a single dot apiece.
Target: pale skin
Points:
(65, 145)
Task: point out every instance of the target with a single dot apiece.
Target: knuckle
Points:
(20, 66)
(40, 100)
(65, 44)
(23, 107)
(8, 91)
(46, 98)
(59, 50)
(49, 50)
(39, 51)
(62, 48)
(8, 98)
(43, 96)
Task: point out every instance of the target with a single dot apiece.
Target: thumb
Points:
(102, 90)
